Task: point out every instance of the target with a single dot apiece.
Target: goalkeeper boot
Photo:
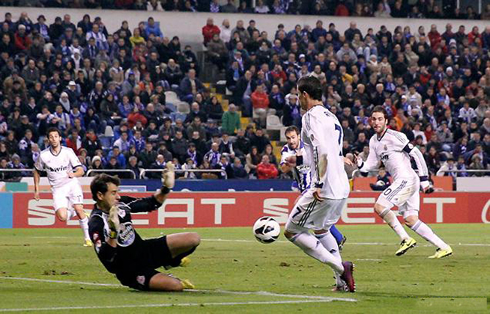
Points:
(406, 245)
(186, 284)
(442, 253)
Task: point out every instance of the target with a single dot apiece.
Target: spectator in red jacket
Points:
(260, 104)
(209, 30)
(266, 170)
(434, 36)
(22, 40)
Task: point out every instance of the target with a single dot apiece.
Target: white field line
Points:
(282, 242)
(259, 293)
(347, 243)
(95, 307)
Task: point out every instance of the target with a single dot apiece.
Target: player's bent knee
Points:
(195, 239)
(288, 235)
(378, 208)
(62, 215)
(410, 221)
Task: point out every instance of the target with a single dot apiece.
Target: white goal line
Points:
(67, 308)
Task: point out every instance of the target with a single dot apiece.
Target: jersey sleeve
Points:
(39, 165)
(75, 162)
(372, 160)
(105, 252)
(317, 132)
(139, 205)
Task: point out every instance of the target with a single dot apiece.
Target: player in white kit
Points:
(321, 205)
(63, 168)
(393, 149)
(301, 173)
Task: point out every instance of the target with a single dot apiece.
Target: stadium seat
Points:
(283, 134)
(274, 123)
(177, 115)
(171, 97)
(183, 107)
(109, 132)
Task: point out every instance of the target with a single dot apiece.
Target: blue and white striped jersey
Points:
(301, 173)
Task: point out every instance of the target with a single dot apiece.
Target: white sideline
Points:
(66, 308)
(259, 293)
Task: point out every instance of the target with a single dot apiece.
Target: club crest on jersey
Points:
(312, 137)
(386, 147)
(126, 234)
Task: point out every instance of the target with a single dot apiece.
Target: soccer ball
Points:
(266, 230)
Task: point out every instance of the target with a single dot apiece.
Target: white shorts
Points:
(310, 214)
(403, 193)
(67, 195)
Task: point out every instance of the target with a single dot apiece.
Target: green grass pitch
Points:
(233, 272)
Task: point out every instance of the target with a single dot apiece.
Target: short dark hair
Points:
(99, 184)
(312, 86)
(382, 110)
(51, 130)
(292, 128)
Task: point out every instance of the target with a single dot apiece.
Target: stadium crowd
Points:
(385, 8)
(85, 81)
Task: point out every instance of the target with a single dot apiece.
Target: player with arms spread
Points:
(394, 150)
(290, 153)
(321, 205)
(121, 249)
(63, 167)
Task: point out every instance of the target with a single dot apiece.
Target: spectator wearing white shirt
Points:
(466, 113)
(100, 39)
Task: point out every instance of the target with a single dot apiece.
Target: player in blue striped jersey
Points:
(301, 173)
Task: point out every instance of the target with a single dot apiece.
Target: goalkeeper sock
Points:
(314, 248)
(176, 261)
(84, 225)
(389, 216)
(426, 232)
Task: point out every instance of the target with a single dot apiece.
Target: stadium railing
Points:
(110, 171)
(144, 171)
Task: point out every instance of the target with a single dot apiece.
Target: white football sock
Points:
(426, 232)
(70, 213)
(389, 216)
(328, 241)
(311, 246)
(84, 225)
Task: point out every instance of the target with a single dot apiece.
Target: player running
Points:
(301, 173)
(121, 249)
(63, 167)
(320, 206)
(394, 150)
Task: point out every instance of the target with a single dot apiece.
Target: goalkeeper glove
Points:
(113, 221)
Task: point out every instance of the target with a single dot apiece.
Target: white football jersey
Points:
(58, 166)
(322, 135)
(391, 150)
(301, 173)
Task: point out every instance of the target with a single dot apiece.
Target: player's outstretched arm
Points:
(37, 178)
(370, 164)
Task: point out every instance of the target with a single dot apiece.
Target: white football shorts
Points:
(403, 193)
(310, 214)
(67, 195)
